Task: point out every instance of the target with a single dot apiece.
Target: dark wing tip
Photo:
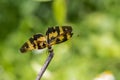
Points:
(22, 50)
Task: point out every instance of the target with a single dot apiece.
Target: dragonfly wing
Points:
(56, 35)
(37, 41)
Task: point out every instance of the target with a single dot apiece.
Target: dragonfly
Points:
(54, 35)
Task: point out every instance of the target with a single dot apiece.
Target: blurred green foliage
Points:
(94, 47)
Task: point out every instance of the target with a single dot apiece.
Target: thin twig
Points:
(48, 60)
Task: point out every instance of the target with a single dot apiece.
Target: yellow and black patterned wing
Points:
(38, 41)
(56, 35)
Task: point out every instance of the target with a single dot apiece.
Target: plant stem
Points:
(48, 60)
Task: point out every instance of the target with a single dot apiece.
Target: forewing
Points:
(56, 35)
(37, 41)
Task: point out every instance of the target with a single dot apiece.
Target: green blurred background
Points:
(94, 47)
